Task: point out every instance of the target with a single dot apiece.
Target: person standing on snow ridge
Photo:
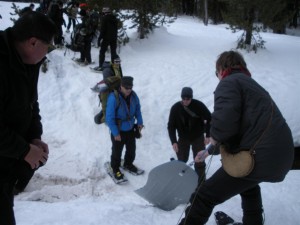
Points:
(72, 11)
(22, 50)
(56, 14)
(88, 32)
(27, 9)
(191, 119)
(120, 118)
(245, 118)
(108, 36)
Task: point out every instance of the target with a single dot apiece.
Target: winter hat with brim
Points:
(127, 81)
(187, 92)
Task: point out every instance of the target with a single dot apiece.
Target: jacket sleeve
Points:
(172, 125)
(110, 116)
(138, 113)
(226, 118)
(12, 145)
(102, 28)
(36, 128)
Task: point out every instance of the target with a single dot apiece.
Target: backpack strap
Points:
(116, 93)
(190, 112)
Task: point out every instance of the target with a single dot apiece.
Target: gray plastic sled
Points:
(169, 185)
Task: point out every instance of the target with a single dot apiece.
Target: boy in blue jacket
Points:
(121, 113)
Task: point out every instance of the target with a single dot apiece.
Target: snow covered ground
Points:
(73, 188)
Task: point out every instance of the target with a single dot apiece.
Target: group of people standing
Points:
(91, 23)
(108, 35)
(244, 118)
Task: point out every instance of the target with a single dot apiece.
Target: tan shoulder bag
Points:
(242, 163)
(237, 165)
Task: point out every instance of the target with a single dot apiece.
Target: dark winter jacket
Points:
(89, 30)
(189, 127)
(25, 10)
(245, 117)
(126, 111)
(20, 121)
(56, 14)
(109, 28)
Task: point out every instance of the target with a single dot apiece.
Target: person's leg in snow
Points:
(216, 190)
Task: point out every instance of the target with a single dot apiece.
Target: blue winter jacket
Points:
(120, 112)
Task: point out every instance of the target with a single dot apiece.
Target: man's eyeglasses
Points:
(50, 44)
(217, 73)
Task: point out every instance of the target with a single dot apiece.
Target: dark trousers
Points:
(103, 49)
(184, 152)
(127, 139)
(7, 203)
(85, 53)
(71, 21)
(219, 188)
(24, 174)
(58, 39)
(13, 174)
(8, 179)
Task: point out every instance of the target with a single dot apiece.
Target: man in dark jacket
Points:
(108, 36)
(191, 119)
(22, 50)
(56, 14)
(245, 118)
(26, 9)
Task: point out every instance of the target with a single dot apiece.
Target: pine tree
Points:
(123, 38)
(147, 15)
(275, 14)
(241, 15)
(16, 12)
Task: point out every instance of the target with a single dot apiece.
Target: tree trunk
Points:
(248, 36)
(141, 26)
(249, 28)
(295, 17)
(205, 13)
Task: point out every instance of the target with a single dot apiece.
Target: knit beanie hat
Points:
(187, 92)
(127, 81)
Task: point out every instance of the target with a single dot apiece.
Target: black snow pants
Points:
(127, 139)
(219, 188)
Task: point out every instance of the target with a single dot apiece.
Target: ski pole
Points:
(193, 162)
(205, 150)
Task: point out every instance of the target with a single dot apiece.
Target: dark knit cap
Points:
(127, 81)
(82, 12)
(187, 92)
